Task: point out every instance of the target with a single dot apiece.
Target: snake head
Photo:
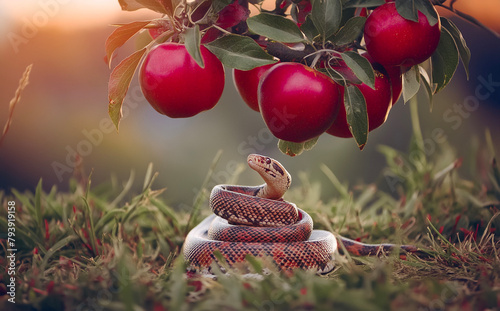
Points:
(275, 175)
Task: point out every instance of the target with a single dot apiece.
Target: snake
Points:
(257, 221)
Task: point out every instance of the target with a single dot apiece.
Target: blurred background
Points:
(63, 110)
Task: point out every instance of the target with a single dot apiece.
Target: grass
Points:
(102, 248)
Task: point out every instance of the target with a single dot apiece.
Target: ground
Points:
(99, 247)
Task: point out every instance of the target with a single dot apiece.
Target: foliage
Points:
(101, 247)
(319, 33)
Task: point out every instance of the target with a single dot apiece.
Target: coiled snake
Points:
(257, 221)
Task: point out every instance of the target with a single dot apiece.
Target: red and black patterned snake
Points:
(257, 221)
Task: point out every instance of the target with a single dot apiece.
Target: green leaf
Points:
(426, 81)
(275, 27)
(160, 6)
(362, 3)
(239, 52)
(351, 31)
(218, 5)
(326, 16)
(408, 9)
(309, 29)
(106, 218)
(293, 149)
(411, 83)
(361, 67)
(57, 246)
(121, 35)
(192, 43)
(427, 8)
(119, 82)
(463, 49)
(357, 118)
(38, 207)
(169, 5)
(334, 74)
(444, 60)
(256, 264)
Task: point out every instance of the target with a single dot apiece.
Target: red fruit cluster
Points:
(296, 109)
(297, 103)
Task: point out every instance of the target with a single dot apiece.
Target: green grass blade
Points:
(335, 182)
(126, 189)
(104, 220)
(60, 244)
(38, 208)
(148, 178)
(200, 196)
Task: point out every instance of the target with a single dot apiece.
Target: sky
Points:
(67, 15)
(70, 13)
(86, 13)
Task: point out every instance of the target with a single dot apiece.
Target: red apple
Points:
(228, 17)
(247, 82)
(394, 41)
(232, 15)
(378, 103)
(297, 103)
(175, 85)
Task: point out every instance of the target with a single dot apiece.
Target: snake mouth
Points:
(254, 161)
(252, 164)
(262, 164)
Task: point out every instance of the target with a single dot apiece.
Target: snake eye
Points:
(268, 160)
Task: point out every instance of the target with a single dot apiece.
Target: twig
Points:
(467, 17)
(286, 54)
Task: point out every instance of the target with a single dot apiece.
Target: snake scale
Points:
(257, 221)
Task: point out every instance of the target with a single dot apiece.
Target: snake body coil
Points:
(257, 221)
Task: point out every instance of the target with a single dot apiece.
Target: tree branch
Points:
(287, 54)
(466, 17)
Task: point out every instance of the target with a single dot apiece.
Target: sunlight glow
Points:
(71, 14)
(66, 14)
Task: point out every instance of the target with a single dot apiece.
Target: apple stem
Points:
(221, 29)
(315, 60)
(319, 53)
